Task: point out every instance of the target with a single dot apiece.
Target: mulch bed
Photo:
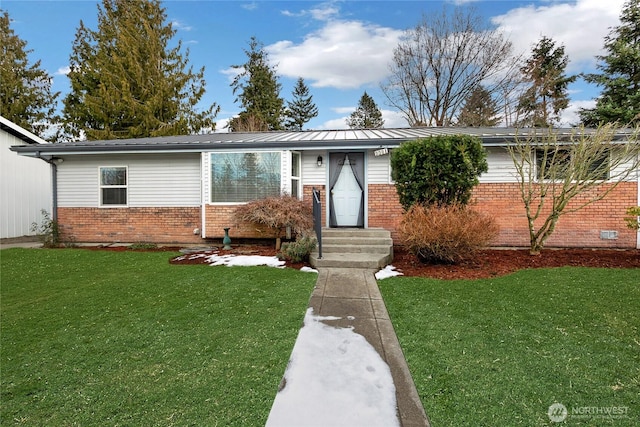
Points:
(487, 263)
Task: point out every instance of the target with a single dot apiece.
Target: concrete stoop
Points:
(354, 248)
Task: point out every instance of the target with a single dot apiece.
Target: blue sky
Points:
(340, 48)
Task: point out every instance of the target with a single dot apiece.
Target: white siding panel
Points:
(501, 168)
(25, 189)
(153, 181)
(378, 169)
(312, 174)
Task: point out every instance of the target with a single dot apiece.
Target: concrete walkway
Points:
(353, 295)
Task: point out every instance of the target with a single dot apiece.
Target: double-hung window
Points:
(113, 186)
(243, 177)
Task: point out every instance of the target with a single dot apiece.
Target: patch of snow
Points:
(244, 260)
(388, 271)
(308, 269)
(334, 378)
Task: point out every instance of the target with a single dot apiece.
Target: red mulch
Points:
(498, 262)
(487, 263)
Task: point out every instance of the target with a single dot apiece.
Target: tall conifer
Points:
(126, 82)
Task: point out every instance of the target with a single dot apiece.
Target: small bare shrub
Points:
(278, 214)
(48, 230)
(446, 234)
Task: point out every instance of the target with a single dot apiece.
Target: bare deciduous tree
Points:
(553, 169)
(441, 61)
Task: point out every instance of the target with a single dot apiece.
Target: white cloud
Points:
(63, 71)
(231, 73)
(250, 6)
(342, 54)
(570, 117)
(179, 25)
(580, 26)
(392, 119)
(323, 12)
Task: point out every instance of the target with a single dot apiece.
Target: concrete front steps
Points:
(354, 248)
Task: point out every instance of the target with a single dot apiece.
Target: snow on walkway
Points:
(334, 378)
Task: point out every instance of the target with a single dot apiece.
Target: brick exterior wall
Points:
(503, 203)
(130, 225)
(385, 210)
(219, 217)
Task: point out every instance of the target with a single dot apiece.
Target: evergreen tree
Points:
(620, 77)
(546, 95)
(258, 91)
(25, 90)
(367, 115)
(301, 109)
(126, 82)
(479, 109)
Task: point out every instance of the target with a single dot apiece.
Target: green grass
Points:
(500, 351)
(98, 338)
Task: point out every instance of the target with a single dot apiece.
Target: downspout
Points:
(54, 185)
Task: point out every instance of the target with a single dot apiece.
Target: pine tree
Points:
(301, 109)
(367, 115)
(25, 90)
(620, 77)
(258, 91)
(479, 109)
(126, 82)
(546, 96)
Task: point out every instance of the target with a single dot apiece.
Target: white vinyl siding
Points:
(312, 174)
(158, 180)
(378, 168)
(25, 189)
(501, 168)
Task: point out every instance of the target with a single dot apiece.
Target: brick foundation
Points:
(503, 203)
(130, 225)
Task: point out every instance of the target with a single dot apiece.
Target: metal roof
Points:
(291, 140)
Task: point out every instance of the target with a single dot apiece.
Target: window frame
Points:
(567, 149)
(102, 187)
(297, 177)
(211, 182)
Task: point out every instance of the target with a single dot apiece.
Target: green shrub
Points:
(142, 246)
(633, 220)
(278, 214)
(298, 250)
(48, 230)
(446, 234)
(440, 170)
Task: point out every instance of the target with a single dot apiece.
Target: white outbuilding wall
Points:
(25, 185)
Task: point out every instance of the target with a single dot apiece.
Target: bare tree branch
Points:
(552, 170)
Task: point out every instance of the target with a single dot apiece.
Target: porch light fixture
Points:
(319, 161)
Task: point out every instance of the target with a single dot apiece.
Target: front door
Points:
(347, 190)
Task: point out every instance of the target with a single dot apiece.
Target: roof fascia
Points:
(20, 132)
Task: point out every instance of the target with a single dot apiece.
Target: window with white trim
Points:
(242, 177)
(296, 161)
(557, 163)
(113, 186)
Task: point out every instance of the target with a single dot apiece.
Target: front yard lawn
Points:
(501, 351)
(99, 338)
